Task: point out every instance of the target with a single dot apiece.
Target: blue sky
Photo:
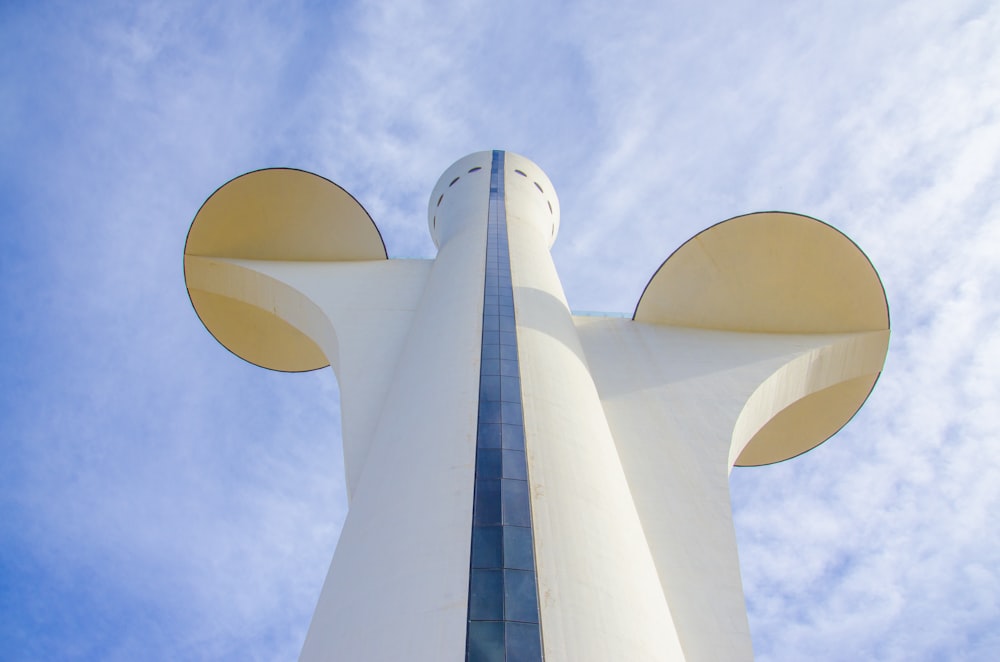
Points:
(163, 500)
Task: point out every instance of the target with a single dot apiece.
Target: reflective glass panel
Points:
(489, 435)
(489, 412)
(486, 641)
(514, 465)
(509, 368)
(516, 510)
(512, 437)
(510, 389)
(520, 603)
(490, 388)
(503, 605)
(489, 463)
(490, 366)
(511, 411)
(486, 595)
(486, 547)
(487, 508)
(524, 643)
(517, 548)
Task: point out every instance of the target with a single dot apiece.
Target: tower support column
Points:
(600, 594)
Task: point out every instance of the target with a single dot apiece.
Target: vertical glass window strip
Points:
(503, 591)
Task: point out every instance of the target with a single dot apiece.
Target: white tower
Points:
(523, 482)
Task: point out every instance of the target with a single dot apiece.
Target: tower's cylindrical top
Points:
(530, 196)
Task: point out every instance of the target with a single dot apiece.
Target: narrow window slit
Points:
(503, 614)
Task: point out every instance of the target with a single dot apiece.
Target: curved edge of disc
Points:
(767, 272)
(813, 421)
(256, 336)
(284, 214)
(776, 272)
(279, 214)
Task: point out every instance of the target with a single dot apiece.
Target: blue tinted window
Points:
(486, 641)
(512, 436)
(511, 411)
(490, 387)
(516, 510)
(503, 605)
(514, 465)
(487, 508)
(486, 547)
(486, 595)
(489, 412)
(524, 642)
(518, 552)
(490, 366)
(510, 389)
(488, 435)
(489, 463)
(520, 603)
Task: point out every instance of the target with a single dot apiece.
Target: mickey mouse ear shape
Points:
(284, 214)
(769, 272)
(276, 214)
(776, 272)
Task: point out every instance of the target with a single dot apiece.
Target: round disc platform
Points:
(775, 272)
(277, 214)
